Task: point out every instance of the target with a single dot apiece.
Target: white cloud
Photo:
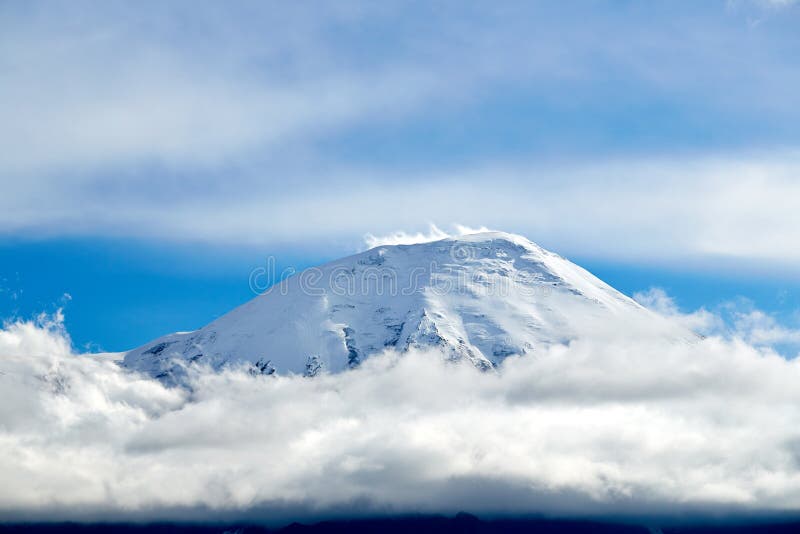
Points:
(734, 320)
(434, 233)
(90, 91)
(589, 428)
(44, 335)
(701, 321)
(668, 210)
(130, 122)
(761, 329)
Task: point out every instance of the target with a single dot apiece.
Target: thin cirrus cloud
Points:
(628, 425)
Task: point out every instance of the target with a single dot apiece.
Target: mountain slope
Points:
(480, 297)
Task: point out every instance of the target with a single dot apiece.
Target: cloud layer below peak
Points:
(630, 426)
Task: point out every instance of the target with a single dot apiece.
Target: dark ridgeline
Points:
(460, 524)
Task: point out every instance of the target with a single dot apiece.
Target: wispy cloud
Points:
(737, 319)
(434, 233)
(700, 321)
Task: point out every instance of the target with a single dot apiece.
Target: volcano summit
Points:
(480, 297)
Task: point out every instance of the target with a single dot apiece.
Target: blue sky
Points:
(153, 155)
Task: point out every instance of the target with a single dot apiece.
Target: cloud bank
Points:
(738, 208)
(127, 121)
(635, 425)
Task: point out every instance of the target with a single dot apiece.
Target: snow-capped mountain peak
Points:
(480, 297)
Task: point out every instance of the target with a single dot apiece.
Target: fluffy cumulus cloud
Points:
(623, 426)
